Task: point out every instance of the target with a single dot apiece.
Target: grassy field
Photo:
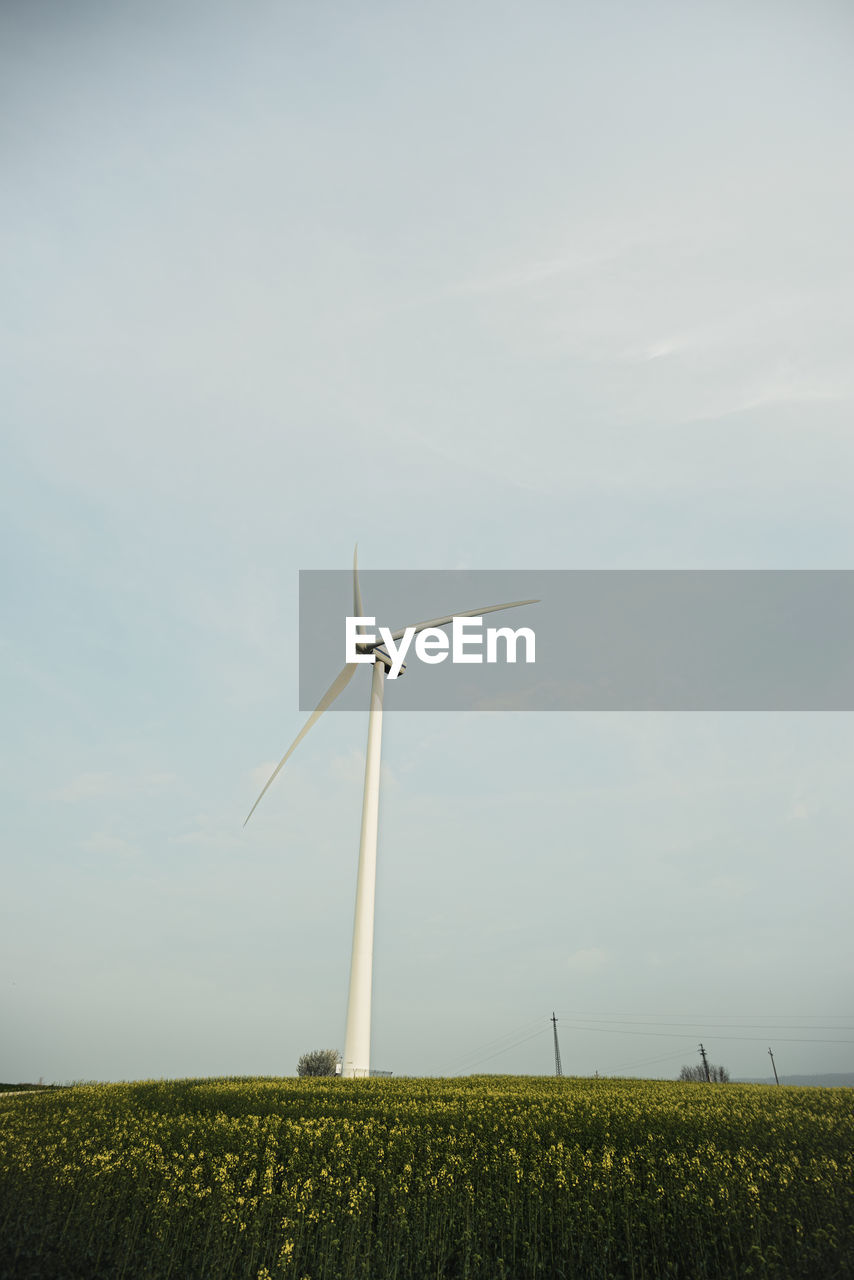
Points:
(484, 1177)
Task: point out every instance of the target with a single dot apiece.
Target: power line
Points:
(648, 1062)
(506, 1049)
(477, 1052)
(599, 1023)
(637, 1013)
(674, 1035)
(706, 1022)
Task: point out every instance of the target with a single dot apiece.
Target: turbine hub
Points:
(380, 655)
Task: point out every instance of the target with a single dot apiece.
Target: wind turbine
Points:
(357, 1039)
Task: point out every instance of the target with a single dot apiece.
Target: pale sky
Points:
(483, 286)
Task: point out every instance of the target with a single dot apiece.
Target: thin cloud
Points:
(93, 786)
(111, 846)
(588, 960)
(87, 786)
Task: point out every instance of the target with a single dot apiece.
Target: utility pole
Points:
(558, 1067)
(705, 1065)
(774, 1065)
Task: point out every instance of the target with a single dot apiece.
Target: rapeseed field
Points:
(480, 1178)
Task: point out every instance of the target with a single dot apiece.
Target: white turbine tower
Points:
(357, 1039)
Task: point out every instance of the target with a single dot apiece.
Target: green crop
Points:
(477, 1178)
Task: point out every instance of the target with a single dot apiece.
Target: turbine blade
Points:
(463, 613)
(339, 684)
(358, 611)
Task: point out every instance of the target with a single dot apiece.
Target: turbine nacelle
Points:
(381, 657)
